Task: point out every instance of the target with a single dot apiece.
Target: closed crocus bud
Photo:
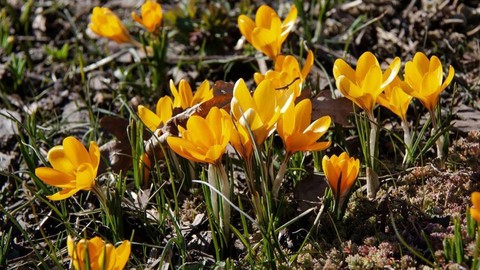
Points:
(341, 173)
(106, 24)
(151, 17)
(95, 254)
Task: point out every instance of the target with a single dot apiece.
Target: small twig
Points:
(288, 85)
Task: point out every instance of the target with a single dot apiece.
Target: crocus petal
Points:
(246, 26)
(75, 151)
(448, 80)
(289, 23)
(123, 254)
(94, 152)
(308, 64)
(85, 176)
(59, 161)
(164, 109)
(150, 119)
(341, 68)
(364, 64)
(303, 115)
(391, 72)
(63, 194)
(203, 93)
(55, 178)
(264, 16)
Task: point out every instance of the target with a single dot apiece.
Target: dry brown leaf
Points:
(339, 109)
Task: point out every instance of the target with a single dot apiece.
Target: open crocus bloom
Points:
(98, 254)
(162, 114)
(287, 73)
(73, 168)
(395, 98)
(341, 173)
(259, 112)
(425, 78)
(184, 98)
(151, 15)
(106, 24)
(296, 131)
(363, 85)
(204, 139)
(267, 33)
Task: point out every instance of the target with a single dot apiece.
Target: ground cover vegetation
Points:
(239, 134)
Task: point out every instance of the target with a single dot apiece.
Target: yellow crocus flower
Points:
(204, 139)
(106, 24)
(475, 209)
(162, 114)
(259, 112)
(425, 78)
(98, 254)
(341, 173)
(363, 85)
(184, 98)
(287, 73)
(395, 98)
(267, 33)
(151, 15)
(296, 131)
(73, 168)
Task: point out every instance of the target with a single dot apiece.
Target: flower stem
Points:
(407, 139)
(217, 177)
(277, 182)
(372, 177)
(440, 141)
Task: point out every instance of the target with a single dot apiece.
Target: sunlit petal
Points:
(63, 194)
(55, 178)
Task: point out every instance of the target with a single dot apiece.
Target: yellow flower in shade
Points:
(363, 85)
(162, 114)
(258, 113)
(151, 15)
(287, 73)
(204, 139)
(297, 133)
(268, 32)
(341, 173)
(425, 78)
(395, 98)
(106, 24)
(475, 209)
(98, 254)
(184, 98)
(73, 168)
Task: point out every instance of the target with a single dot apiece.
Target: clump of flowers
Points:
(363, 86)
